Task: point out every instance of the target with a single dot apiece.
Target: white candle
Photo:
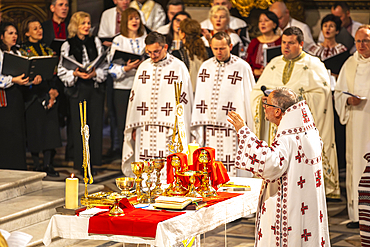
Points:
(192, 147)
(72, 192)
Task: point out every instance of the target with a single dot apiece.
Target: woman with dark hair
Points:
(193, 52)
(268, 23)
(330, 26)
(42, 126)
(82, 86)
(12, 127)
(132, 40)
(172, 38)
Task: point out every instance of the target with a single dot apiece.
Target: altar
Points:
(172, 231)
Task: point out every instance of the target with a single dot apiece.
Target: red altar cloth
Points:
(136, 222)
(141, 222)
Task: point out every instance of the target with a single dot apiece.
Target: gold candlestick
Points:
(138, 169)
(158, 166)
(207, 189)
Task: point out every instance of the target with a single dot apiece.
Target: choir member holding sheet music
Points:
(268, 23)
(131, 40)
(84, 86)
(12, 129)
(42, 126)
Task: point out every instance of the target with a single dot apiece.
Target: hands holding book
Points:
(132, 65)
(353, 101)
(84, 75)
(37, 80)
(19, 80)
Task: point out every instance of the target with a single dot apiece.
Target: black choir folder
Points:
(70, 63)
(335, 63)
(269, 53)
(121, 57)
(16, 65)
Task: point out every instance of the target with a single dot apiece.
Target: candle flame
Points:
(72, 175)
(194, 142)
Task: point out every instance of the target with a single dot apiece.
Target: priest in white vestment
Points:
(355, 114)
(224, 84)
(292, 208)
(154, 15)
(306, 76)
(151, 110)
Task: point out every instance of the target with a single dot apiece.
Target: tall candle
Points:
(81, 116)
(192, 147)
(84, 112)
(72, 192)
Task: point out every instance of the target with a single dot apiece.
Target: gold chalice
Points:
(148, 169)
(125, 185)
(192, 191)
(116, 210)
(178, 189)
(158, 166)
(206, 189)
(138, 169)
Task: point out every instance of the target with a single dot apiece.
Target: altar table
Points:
(171, 231)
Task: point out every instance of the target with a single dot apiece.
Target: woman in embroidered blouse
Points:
(220, 18)
(82, 86)
(131, 40)
(268, 23)
(172, 38)
(193, 53)
(42, 126)
(12, 127)
(330, 26)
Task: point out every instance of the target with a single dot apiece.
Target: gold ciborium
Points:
(192, 191)
(125, 185)
(158, 166)
(138, 169)
(149, 169)
(177, 189)
(206, 189)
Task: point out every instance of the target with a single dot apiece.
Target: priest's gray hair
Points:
(284, 98)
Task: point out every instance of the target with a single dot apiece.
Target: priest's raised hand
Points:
(236, 120)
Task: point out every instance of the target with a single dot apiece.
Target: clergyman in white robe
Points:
(354, 78)
(222, 87)
(151, 110)
(154, 14)
(292, 208)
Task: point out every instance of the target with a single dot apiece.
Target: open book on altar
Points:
(71, 63)
(16, 65)
(168, 202)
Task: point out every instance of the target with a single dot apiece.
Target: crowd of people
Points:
(222, 72)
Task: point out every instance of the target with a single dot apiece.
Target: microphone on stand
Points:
(265, 91)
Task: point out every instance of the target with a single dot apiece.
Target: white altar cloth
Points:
(171, 231)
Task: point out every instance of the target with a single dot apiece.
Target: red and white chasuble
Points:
(292, 207)
(221, 87)
(151, 110)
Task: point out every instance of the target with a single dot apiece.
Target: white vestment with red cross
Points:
(292, 207)
(221, 87)
(151, 110)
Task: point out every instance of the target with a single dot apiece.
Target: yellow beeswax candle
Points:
(81, 116)
(192, 147)
(72, 192)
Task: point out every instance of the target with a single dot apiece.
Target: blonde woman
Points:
(81, 86)
(220, 19)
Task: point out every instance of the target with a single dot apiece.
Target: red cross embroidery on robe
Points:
(183, 98)
(303, 208)
(263, 208)
(202, 106)
(275, 144)
(204, 75)
(322, 242)
(281, 160)
(146, 155)
(227, 131)
(143, 108)
(228, 107)
(321, 216)
(301, 182)
(305, 116)
(234, 77)
(228, 163)
(260, 234)
(259, 144)
(143, 77)
(274, 229)
(305, 235)
(132, 95)
(212, 129)
(318, 178)
(171, 77)
(299, 157)
(168, 108)
(253, 159)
